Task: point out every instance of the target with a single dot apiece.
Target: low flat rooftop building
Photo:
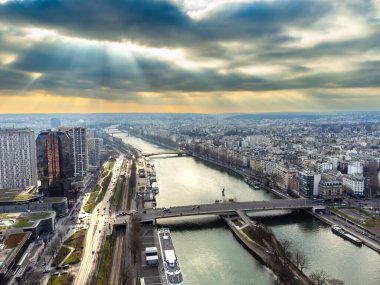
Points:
(35, 222)
(22, 201)
(19, 195)
(18, 231)
(12, 247)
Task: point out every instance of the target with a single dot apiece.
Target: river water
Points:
(208, 252)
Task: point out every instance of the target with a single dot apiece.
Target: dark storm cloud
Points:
(260, 20)
(65, 67)
(236, 34)
(163, 23)
(349, 47)
(13, 80)
(100, 19)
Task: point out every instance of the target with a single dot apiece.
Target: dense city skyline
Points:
(188, 56)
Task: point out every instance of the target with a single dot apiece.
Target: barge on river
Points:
(171, 266)
(341, 232)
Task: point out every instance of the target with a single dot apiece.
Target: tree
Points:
(319, 277)
(61, 234)
(136, 237)
(128, 275)
(275, 178)
(54, 247)
(301, 260)
(334, 281)
(286, 246)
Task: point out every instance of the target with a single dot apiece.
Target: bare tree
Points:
(61, 234)
(136, 237)
(128, 275)
(334, 281)
(275, 178)
(54, 247)
(301, 260)
(286, 245)
(319, 277)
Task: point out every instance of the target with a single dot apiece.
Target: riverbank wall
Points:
(266, 255)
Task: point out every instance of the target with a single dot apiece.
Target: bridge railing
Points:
(164, 153)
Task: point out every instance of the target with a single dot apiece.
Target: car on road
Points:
(55, 274)
(46, 271)
(165, 210)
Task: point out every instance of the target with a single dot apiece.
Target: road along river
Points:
(208, 252)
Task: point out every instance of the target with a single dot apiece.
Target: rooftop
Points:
(22, 220)
(15, 195)
(12, 244)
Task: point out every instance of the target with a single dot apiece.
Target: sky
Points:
(189, 56)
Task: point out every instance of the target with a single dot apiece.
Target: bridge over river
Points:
(178, 153)
(227, 208)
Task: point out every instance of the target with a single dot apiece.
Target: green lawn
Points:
(336, 211)
(105, 183)
(61, 280)
(53, 199)
(104, 264)
(118, 192)
(76, 241)
(111, 163)
(74, 258)
(27, 221)
(98, 194)
(63, 252)
(89, 208)
(91, 202)
(22, 197)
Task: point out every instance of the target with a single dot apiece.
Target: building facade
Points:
(371, 176)
(18, 163)
(284, 174)
(330, 189)
(308, 183)
(355, 167)
(94, 148)
(354, 184)
(80, 149)
(55, 163)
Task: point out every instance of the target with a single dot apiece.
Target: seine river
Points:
(208, 252)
